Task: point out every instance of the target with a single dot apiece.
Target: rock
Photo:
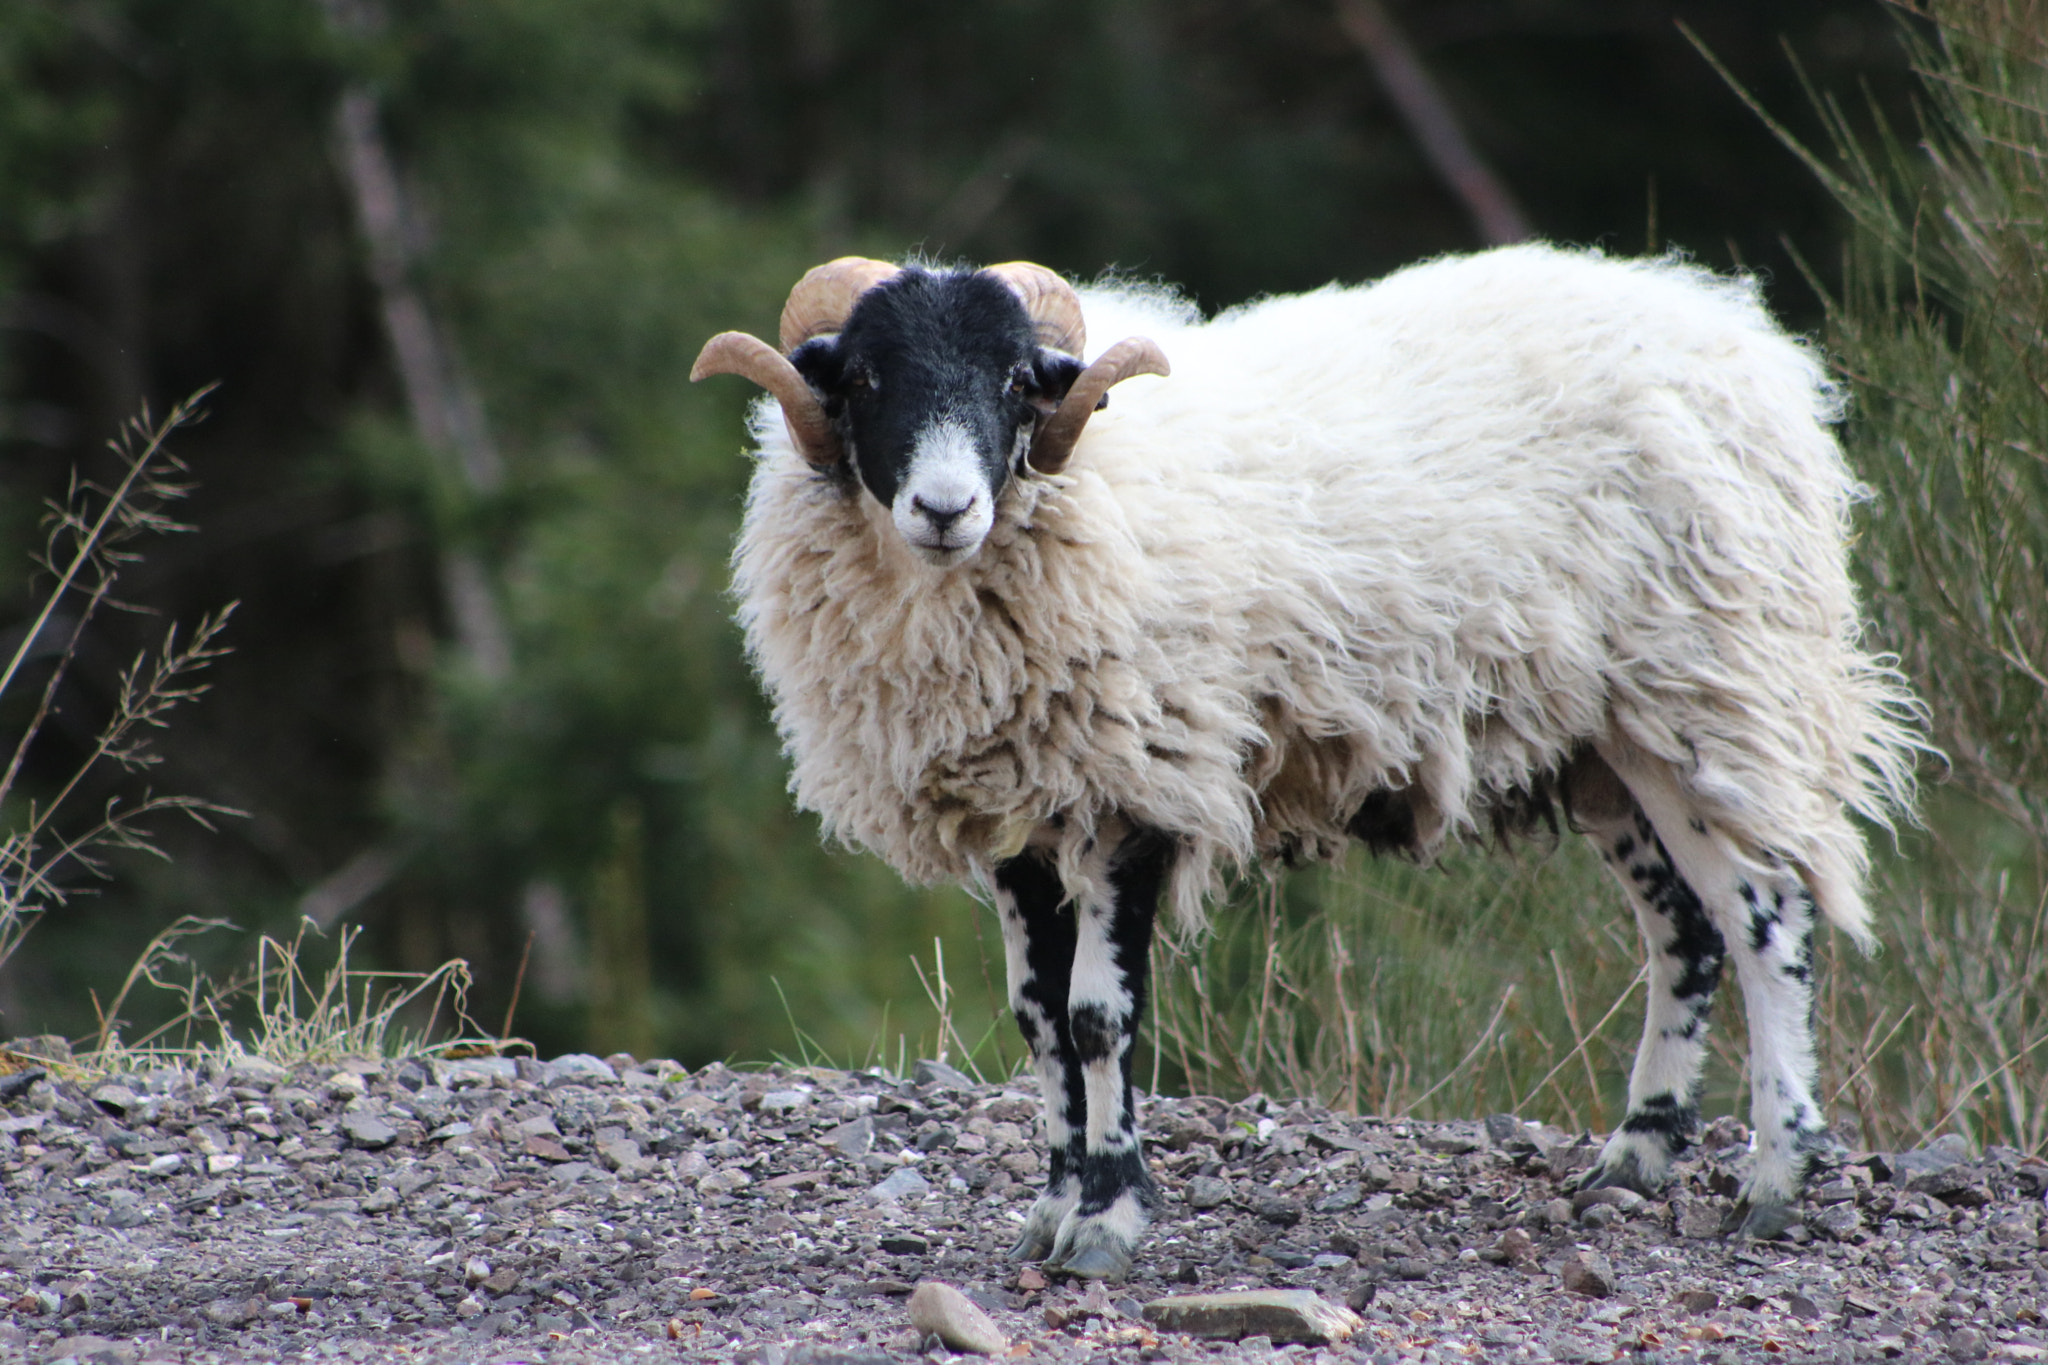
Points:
(1839, 1221)
(1699, 1300)
(1599, 1216)
(1453, 1142)
(115, 1099)
(367, 1131)
(1207, 1192)
(1623, 1201)
(784, 1101)
(383, 1199)
(578, 1068)
(904, 1183)
(1517, 1248)
(1588, 1273)
(346, 1085)
(16, 1083)
(1342, 1199)
(955, 1319)
(855, 1139)
(546, 1148)
(234, 1313)
(905, 1244)
(1277, 1209)
(1696, 1219)
(1802, 1308)
(929, 1072)
(90, 1350)
(1282, 1315)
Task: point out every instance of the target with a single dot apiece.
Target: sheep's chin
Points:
(940, 556)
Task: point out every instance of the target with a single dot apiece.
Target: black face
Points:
(936, 383)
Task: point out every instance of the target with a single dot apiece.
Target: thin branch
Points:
(1432, 121)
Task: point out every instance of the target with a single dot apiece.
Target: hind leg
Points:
(1685, 956)
(1767, 918)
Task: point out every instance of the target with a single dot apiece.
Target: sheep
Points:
(1385, 563)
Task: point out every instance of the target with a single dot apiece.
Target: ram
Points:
(1497, 534)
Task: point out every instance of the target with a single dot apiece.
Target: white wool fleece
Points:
(1429, 534)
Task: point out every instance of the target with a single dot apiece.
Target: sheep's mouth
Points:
(941, 553)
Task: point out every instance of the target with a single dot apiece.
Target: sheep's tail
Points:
(1886, 746)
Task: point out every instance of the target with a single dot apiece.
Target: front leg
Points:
(1106, 999)
(1038, 948)
(1100, 1194)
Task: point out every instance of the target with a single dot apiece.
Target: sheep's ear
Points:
(1054, 372)
(823, 367)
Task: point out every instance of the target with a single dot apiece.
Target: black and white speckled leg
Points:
(1038, 946)
(1685, 957)
(1766, 918)
(1105, 1001)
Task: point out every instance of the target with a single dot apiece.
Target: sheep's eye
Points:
(862, 380)
(1020, 381)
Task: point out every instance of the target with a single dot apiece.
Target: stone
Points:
(115, 1099)
(1342, 1199)
(905, 1244)
(1277, 1209)
(1696, 1219)
(1587, 1273)
(955, 1319)
(546, 1148)
(1623, 1201)
(1517, 1248)
(855, 1139)
(784, 1101)
(367, 1131)
(1839, 1221)
(1281, 1315)
(929, 1072)
(904, 1183)
(383, 1199)
(578, 1068)
(90, 1350)
(1207, 1192)
(1699, 1300)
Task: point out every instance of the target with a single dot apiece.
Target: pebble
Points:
(955, 1319)
(526, 1210)
(904, 1183)
(1587, 1272)
(1281, 1315)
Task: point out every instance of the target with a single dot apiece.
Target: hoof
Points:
(1758, 1222)
(1032, 1246)
(1625, 1174)
(1042, 1228)
(1097, 1262)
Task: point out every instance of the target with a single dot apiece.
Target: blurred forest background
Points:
(448, 262)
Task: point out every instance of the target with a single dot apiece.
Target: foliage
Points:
(45, 846)
(593, 188)
(1941, 330)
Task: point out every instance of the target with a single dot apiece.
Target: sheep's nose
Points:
(939, 514)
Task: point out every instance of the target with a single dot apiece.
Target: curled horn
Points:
(752, 358)
(823, 298)
(1054, 444)
(819, 305)
(1054, 307)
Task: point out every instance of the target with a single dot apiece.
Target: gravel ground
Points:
(492, 1211)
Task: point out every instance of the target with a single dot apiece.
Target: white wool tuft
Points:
(1430, 534)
